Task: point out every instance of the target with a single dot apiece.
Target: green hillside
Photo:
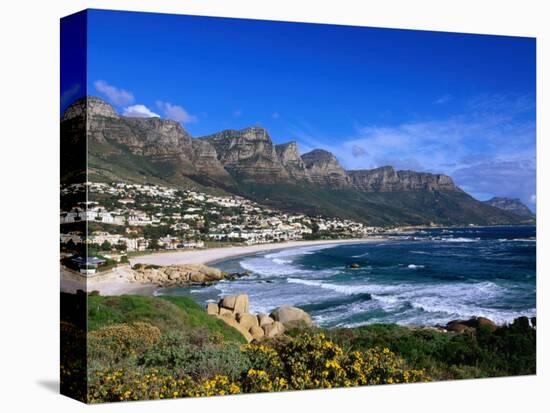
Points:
(166, 313)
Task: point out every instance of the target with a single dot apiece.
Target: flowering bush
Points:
(170, 368)
(311, 361)
(120, 385)
(120, 341)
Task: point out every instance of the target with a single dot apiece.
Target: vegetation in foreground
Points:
(166, 347)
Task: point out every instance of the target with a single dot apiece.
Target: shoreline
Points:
(115, 282)
(212, 256)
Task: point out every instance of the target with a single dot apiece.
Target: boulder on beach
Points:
(290, 316)
(175, 275)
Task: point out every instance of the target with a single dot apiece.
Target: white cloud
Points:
(275, 115)
(488, 152)
(139, 111)
(115, 95)
(175, 112)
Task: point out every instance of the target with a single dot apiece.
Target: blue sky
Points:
(458, 104)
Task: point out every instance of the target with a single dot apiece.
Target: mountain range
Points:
(247, 163)
(513, 205)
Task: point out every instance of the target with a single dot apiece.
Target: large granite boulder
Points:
(274, 329)
(247, 320)
(235, 303)
(461, 326)
(230, 321)
(256, 332)
(290, 316)
(264, 319)
(212, 309)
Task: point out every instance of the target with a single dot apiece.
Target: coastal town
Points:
(129, 217)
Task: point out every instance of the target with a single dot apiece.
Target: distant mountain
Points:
(247, 162)
(513, 205)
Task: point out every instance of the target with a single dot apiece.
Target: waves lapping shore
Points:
(426, 277)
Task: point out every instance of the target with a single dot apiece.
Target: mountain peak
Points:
(248, 153)
(513, 205)
(324, 168)
(387, 179)
(318, 155)
(91, 106)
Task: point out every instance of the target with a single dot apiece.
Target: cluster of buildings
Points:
(138, 217)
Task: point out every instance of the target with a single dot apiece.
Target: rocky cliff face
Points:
(292, 161)
(92, 106)
(324, 169)
(162, 141)
(246, 162)
(387, 179)
(513, 205)
(249, 154)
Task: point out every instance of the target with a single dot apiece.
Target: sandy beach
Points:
(116, 282)
(213, 255)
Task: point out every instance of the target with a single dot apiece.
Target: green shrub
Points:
(115, 343)
(197, 362)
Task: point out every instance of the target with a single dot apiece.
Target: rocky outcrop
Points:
(471, 325)
(513, 205)
(292, 161)
(205, 161)
(163, 142)
(249, 154)
(324, 169)
(176, 275)
(387, 179)
(91, 106)
(234, 311)
(291, 316)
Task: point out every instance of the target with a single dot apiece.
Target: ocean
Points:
(424, 277)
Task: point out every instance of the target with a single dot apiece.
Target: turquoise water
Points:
(426, 277)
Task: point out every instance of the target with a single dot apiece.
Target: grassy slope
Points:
(167, 313)
(381, 208)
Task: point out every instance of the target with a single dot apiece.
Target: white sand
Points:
(111, 283)
(116, 282)
(212, 255)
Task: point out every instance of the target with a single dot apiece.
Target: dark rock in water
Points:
(235, 275)
(354, 265)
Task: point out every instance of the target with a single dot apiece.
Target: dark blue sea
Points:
(424, 277)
